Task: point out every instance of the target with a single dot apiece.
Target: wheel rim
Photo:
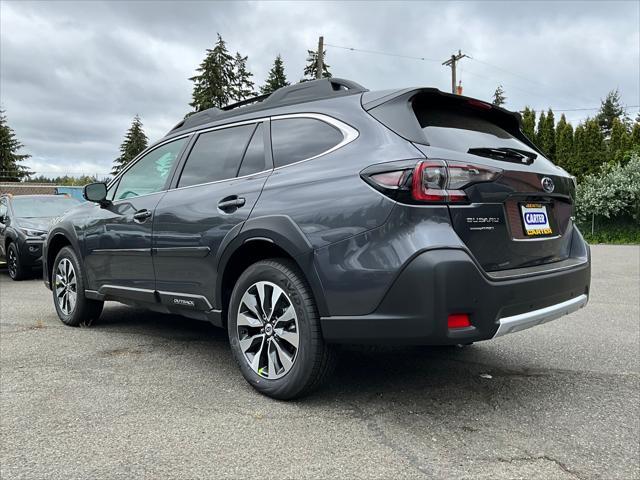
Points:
(12, 263)
(268, 331)
(66, 286)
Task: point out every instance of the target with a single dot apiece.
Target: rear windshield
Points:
(461, 128)
(31, 207)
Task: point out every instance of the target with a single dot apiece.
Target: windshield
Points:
(50, 206)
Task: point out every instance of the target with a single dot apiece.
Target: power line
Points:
(523, 77)
(411, 57)
(582, 109)
(376, 52)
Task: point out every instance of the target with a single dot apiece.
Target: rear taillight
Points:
(428, 181)
(440, 181)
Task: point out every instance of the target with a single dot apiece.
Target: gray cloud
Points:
(73, 74)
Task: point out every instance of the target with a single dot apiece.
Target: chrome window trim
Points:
(349, 134)
(231, 125)
(219, 181)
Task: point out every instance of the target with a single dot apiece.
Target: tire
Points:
(14, 263)
(264, 348)
(67, 281)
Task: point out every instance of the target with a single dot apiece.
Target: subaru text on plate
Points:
(326, 213)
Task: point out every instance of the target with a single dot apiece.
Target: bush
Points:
(611, 193)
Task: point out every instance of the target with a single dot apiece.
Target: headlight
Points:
(33, 233)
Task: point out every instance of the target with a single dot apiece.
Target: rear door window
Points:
(216, 155)
(254, 160)
(296, 139)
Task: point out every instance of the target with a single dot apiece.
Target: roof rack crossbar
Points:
(248, 101)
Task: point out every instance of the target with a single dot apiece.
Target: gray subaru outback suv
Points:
(325, 213)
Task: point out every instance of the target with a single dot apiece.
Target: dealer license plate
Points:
(535, 219)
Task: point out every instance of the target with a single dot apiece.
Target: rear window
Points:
(460, 125)
(461, 130)
(295, 139)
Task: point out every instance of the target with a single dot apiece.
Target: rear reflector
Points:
(458, 320)
(389, 179)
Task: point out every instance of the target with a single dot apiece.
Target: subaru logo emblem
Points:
(547, 185)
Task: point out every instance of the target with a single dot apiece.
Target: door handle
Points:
(142, 215)
(230, 203)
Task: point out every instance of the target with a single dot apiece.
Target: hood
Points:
(35, 223)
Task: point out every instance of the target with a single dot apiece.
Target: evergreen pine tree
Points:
(499, 98)
(135, 141)
(10, 168)
(635, 135)
(589, 148)
(529, 123)
(312, 66)
(610, 108)
(242, 83)
(564, 143)
(577, 166)
(540, 131)
(213, 86)
(276, 78)
(548, 143)
(619, 141)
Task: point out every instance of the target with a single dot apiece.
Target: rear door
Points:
(118, 238)
(215, 190)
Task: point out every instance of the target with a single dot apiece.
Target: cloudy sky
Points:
(73, 74)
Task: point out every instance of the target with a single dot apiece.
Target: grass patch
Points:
(619, 231)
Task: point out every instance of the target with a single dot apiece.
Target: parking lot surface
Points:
(141, 394)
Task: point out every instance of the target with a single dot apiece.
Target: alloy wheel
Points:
(268, 331)
(12, 263)
(66, 286)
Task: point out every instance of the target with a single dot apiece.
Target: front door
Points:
(118, 237)
(220, 183)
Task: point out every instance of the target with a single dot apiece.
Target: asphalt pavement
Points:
(141, 394)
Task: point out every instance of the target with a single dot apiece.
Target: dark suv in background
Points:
(24, 221)
(326, 213)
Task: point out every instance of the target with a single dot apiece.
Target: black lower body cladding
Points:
(440, 282)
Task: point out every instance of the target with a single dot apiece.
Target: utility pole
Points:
(320, 58)
(452, 63)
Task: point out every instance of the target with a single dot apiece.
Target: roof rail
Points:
(290, 95)
(313, 90)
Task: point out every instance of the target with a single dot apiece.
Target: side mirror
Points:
(96, 192)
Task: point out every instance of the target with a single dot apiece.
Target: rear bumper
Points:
(440, 282)
(522, 321)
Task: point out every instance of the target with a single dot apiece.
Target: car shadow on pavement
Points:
(437, 376)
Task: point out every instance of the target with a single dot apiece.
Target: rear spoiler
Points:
(395, 110)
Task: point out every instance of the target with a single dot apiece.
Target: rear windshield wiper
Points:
(508, 154)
